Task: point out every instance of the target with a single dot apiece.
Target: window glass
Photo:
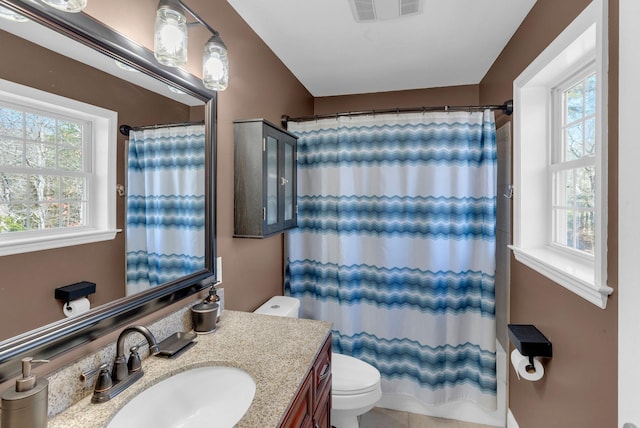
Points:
(43, 173)
(574, 173)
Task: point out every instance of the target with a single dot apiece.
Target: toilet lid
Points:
(352, 376)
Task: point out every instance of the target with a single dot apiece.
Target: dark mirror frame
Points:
(54, 339)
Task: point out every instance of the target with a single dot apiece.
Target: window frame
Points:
(557, 145)
(582, 42)
(86, 173)
(100, 162)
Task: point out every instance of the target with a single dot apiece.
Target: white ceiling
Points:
(452, 42)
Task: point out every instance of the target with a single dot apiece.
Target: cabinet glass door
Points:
(287, 182)
(271, 148)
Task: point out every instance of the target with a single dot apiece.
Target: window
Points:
(43, 173)
(560, 159)
(573, 165)
(57, 171)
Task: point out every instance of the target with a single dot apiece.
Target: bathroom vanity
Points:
(312, 405)
(288, 358)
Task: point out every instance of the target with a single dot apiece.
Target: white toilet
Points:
(355, 387)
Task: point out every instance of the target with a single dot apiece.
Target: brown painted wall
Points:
(452, 95)
(579, 388)
(580, 384)
(27, 281)
(259, 86)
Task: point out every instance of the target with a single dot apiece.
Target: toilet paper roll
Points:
(521, 364)
(76, 307)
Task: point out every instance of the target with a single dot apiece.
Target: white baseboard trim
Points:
(511, 420)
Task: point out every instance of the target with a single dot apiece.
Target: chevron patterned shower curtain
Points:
(165, 205)
(396, 246)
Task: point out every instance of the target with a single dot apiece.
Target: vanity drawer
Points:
(322, 374)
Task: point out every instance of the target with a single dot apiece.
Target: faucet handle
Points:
(134, 364)
(104, 382)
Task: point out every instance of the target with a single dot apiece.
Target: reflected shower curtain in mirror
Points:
(396, 246)
(165, 205)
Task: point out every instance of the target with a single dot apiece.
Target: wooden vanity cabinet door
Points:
(300, 414)
(312, 406)
(323, 412)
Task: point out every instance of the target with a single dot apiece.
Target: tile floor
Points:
(384, 418)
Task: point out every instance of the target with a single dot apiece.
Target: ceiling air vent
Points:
(380, 10)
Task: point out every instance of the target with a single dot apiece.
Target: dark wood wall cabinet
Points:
(312, 406)
(264, 179)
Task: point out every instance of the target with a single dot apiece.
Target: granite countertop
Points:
(276, 351)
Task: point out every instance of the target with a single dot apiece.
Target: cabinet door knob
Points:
(283, 181)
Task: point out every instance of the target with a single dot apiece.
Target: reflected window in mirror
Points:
(44, 54)
(53, 190)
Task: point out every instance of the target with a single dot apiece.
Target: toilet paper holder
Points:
(75, 291)
(529, 341)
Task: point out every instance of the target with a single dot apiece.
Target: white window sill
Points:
(573, 274)
(29, 244)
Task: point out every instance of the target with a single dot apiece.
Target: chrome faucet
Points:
(124, 373)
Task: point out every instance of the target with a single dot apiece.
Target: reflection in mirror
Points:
(31, 320)
(165, 205)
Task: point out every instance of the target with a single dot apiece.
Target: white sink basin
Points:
(215, 396)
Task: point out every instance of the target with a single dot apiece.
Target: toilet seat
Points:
(351, 376)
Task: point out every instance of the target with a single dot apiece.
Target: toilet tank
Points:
(283, 306)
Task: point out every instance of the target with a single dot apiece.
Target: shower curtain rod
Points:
(507, 108)
(126, 129)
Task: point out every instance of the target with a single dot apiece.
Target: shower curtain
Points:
(396, 246)
(165, 205)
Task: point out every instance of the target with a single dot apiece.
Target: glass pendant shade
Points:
(215, 65)
(10, 15)
(170, 47)
(74, 6)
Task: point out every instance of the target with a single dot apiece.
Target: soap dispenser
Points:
(213, 298)
(27, 406)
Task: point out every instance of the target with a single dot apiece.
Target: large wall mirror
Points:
(76, 57)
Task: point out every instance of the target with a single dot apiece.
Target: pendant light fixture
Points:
(73, 6)
(171, 41)
(215, 64)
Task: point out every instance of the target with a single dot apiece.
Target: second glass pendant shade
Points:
(215, 65)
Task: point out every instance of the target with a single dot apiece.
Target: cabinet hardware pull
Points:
(509, 193)
(326, 370)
